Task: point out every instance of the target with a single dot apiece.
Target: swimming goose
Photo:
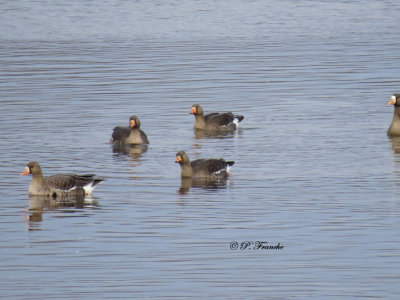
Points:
(209, 169)
(60, 185)
(394, 129)
(129, 135)
(224, 122)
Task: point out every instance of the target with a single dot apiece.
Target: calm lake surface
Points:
(314, 173)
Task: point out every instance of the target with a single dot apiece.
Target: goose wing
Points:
(120, 134)
(211, 166)
(220, 119)
(62, 182)
(210, 115)
(68, 182)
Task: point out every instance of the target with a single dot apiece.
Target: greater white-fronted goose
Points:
(60, 185)
(208, 169)
(394, 129)
(131, 134)
(224, 122)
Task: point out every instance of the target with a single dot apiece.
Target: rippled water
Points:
(314, 173)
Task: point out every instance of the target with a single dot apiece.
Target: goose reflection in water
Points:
(395, 143)
(200, 134)
(188, 183)
(40, 204)
(133, 151)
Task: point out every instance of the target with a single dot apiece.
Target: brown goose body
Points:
(60, 185)
(209, 169)
(131, 134)
(394, 129)
(223, 122)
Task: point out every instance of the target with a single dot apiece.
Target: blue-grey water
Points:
(314, 173)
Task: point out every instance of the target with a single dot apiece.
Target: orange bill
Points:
(194, 110)
(133, 123)
(178, 159)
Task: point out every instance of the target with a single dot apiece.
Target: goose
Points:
(209, 169)
(60, 185)
(394, 129)
(224, 122)
(131, 134)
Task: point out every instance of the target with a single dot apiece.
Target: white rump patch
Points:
(89, 188)
(236, 122)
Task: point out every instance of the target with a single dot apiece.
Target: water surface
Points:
(315, 171)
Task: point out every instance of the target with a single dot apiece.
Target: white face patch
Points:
(393, 99)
